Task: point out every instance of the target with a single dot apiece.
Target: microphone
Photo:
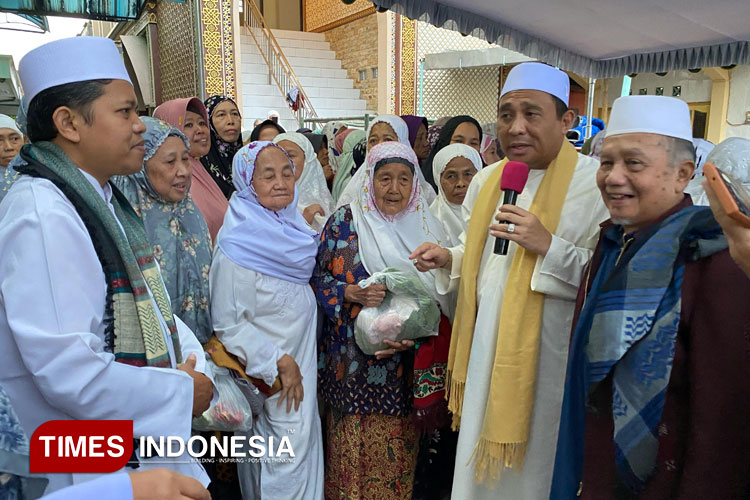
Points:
(515, 175)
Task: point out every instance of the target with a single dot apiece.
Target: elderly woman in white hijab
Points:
(370, 428)
(453, 168)
(315, 202)
(384, 128)
(11, 140)
(265, 313)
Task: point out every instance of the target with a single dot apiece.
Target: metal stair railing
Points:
(279, 68)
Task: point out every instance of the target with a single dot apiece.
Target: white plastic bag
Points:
(408, 312)
(232, 412)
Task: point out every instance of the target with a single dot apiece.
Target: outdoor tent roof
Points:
(600, 38)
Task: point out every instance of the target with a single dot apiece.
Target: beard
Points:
(622, 221)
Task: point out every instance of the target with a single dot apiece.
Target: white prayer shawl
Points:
(55, 365)
(446, 212)
(557, 275)
(311, 185)
(351, 191)
(260, 318)
(387, 241)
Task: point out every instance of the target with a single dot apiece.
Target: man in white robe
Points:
(56, 364)
(532, 123)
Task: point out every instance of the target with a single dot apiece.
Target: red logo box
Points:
(84, 446)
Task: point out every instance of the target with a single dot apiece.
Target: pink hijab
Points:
(206, 194)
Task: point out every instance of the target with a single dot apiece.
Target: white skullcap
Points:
(69, 60)
(8, 122)
(538, 76)
(650, 114)
(273, 112)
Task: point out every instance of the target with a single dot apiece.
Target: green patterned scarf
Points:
(133, 330)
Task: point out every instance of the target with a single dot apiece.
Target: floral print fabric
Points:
(181, 242)
(351, 381)
(370, 457)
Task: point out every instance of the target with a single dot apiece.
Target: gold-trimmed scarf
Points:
(507, 418)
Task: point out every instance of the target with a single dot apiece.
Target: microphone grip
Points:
(501, 244)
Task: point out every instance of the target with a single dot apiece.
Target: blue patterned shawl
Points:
(179, 236)
(18, 484)
(628, 327)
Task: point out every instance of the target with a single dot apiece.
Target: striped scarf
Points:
(132, 328)
(628, 327)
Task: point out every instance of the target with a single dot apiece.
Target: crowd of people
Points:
(605, 356)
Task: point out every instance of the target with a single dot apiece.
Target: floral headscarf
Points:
(275, 243)
(330, 130)
(218, 161)
(178, 233)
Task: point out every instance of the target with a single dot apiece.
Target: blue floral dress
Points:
(351, 381)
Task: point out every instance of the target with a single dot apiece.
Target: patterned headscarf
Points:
(434, 131)
(330, 130)
(387, 240)
(17, 482)
(218, 161)
(311, 185)
(275, 243)
(178, 233)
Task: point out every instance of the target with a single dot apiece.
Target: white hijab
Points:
(446, 212)
(311, 185)
(387, 241)
(351, 192)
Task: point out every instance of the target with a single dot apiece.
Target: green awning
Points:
(102, 10)
(40, 21)
(10, 91)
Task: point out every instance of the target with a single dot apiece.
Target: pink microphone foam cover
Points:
(515, 175)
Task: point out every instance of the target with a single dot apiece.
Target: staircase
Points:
(331, 93)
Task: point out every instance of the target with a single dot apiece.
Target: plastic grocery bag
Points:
(408, 312)
(232, 412)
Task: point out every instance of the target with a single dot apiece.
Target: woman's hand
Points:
(429, 256)
(372, 296)
(310, 212)
(394, 348)
(291, 382)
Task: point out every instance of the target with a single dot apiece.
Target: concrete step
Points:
(285, 43)
(315, 81)
(320, 72)
(250, 49)
(255, 78)
(254, 89)
(299, 35)
(310, 62)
